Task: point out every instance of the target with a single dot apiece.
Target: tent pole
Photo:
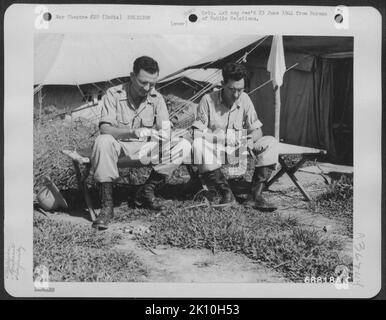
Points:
(40, 99)
(277, 113)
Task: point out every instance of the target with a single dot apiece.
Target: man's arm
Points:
(255, 134)
(118, 133)
(123, 133)
(200, 125)
(162, 115)
(252, 122)
(108, 121)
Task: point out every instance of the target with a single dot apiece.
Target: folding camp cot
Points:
(306, 153)
(81, 158)
(82, 165)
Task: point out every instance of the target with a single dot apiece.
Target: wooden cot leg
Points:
(291, 173)
(87, 196)
(278, 174)
(275, 177)
(297, 166)
(83, 188)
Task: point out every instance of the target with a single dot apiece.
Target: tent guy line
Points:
(210, 86)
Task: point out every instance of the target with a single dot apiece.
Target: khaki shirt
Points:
(119, 110)
(212, 113)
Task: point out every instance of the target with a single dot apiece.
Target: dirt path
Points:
(291, 203)
(169, 264)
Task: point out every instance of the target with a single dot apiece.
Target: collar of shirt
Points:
(236, 104)
(125, 95)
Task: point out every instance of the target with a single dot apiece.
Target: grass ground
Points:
(76, 253)
(278, 240)
(337, 203)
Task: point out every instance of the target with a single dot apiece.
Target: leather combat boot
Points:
(107, 207)
(194, 185)
(145, 195)
(255, 198)
(216, 179)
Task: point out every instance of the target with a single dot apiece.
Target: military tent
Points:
(76, 68)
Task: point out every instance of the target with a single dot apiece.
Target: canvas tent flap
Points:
(71, 59)
(46, 49)
(297, 49)
(233, 44)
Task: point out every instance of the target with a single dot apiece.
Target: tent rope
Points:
(98, 87)
(209, 86)
(270, 80)
(80, 90)
(180, 77)
(38, 88)
(214, 61)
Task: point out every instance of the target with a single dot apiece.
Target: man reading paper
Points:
(225, 110)
(134, 121)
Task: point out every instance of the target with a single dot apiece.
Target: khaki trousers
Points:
(211, 156)
(107, 151)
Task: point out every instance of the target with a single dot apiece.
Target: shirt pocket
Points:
(124, 119)
(124, 123)
(147, 122)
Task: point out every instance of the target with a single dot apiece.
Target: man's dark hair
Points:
(234, 71)
(145, 63)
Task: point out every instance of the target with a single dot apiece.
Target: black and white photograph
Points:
(192, 157)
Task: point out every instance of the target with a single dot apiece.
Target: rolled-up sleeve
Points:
(109, 109)
(202, 118)
(251, 120)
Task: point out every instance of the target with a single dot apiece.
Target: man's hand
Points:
(250, 143)
(161, 135)
(258, 151)
(232, 138)
(143, 132)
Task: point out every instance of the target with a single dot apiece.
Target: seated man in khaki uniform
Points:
(134, 122)
(220, 111)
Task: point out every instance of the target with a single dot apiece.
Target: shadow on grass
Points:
(124, 194)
